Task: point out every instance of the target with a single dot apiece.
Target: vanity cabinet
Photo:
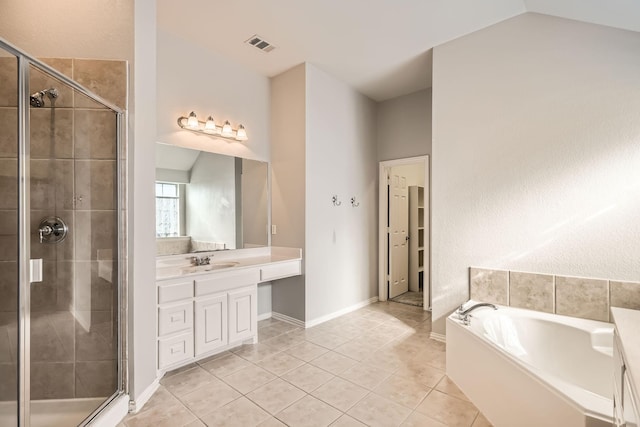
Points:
(243, 313)
(210, 310)
(211, 331)
(199, 317)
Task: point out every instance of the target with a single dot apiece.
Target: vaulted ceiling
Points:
(382, 48)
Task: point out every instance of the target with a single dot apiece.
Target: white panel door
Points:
(398, 235)
(243, 314)
(211, 323)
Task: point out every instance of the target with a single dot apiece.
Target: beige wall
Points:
(536, 124)
(403, 126)
(288, 127)
(70, 28)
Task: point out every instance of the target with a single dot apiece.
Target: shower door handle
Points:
(35, 270)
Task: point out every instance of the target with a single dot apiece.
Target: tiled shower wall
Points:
(73, 320)
(570, 296)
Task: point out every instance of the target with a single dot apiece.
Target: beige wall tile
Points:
(585, 298)
(95, 183)
(489, 285)
(625, 294)
(96, 379)
(51, 184)
(9, 79)
(51, 133)
(99, 341)
(94, 134)
(106, 78)
(8, 235)
(41, 81)
(8, 183)
(9, 384)
(9, 134)
(8, 288)
(51, 380)
(97, 230)
(532, 291)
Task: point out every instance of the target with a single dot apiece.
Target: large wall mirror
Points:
(207, 201)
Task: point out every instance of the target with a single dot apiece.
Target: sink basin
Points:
(209, 267)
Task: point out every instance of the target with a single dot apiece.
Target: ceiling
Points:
(382, 48)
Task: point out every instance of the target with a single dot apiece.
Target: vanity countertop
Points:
(628, 327)
(168, 267)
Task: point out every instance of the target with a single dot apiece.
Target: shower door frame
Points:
(24, 62)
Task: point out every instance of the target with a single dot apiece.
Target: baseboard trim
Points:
(264, 316)
(285, 318)
(339, 313)
(438, 337)
(136, 405)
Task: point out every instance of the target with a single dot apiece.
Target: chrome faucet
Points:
(464, 314)
(196, 260)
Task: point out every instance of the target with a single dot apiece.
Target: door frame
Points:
(383, 218)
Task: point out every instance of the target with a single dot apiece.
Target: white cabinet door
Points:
(210, 323)
(243, 313)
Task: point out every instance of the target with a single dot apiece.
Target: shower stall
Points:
(62, 246)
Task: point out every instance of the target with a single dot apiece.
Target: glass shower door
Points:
(74, 245)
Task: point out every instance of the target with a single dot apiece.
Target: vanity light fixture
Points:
(210, 128)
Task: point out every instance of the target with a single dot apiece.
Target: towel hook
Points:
(354, 203)
(335, 201)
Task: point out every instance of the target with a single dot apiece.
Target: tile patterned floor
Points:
(372, 367)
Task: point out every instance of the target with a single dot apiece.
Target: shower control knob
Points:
(52, 230)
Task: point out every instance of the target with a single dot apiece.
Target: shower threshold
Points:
(52, 412)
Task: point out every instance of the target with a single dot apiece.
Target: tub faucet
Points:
(465, 314)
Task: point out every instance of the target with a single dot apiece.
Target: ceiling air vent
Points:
(260, 43)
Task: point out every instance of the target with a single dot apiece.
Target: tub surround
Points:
(585, 298)
(628, 343)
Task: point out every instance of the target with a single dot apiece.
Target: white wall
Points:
(191, 80)
(288, 182)
(536, 147)
(403, 126)
(341, 242)
(211, 209)
(141, 235)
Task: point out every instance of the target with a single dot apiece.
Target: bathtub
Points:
(527, 368)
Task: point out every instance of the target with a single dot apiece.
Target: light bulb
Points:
(226, 130)
(192, 121)
(241, 134)
(210, 125)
